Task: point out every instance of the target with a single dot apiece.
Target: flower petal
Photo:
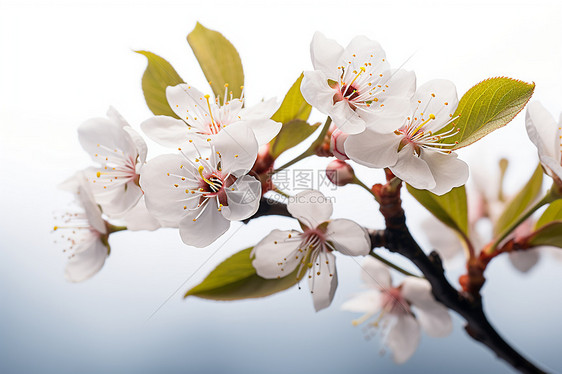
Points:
(100, 137)
(361, 49)
(348, 237)
(317, 92)
(444, 240)
(167, 131)
(310, 207)
(264, 129)
(139, 142)
(364, 302)
(243, 198)
(413, 170)
(524, 260)
(139, 218)
(262, 110)
(447, 170)
(276, 254)
(542, 130)
(403, 338)
(433, 317)
(325, 54)
(201, 227)
(87, 260)
(375, 274)
(372, 149)
(346, 119)
(238, 148)
(323, 280)
(438, 97)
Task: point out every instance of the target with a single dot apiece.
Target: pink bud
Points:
(336, 144)
(340, 172)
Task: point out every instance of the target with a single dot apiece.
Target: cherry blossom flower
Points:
(337, 141)
(282, 252)
(413, 151)
(355, 86)
(203, 115)
(121, 152)
(546, 134)
(204, 187)
(399, 311)
(83, 233)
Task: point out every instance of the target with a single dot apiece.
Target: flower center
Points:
(118, 168)
(392, 302)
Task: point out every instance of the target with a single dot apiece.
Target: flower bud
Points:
(340, 172)
(336, 144)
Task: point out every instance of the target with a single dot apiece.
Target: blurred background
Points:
(66, 61)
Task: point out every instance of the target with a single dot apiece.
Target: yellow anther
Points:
(55, 228)
(98, 174)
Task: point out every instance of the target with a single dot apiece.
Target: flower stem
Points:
(311, 150)
(112, 228)
(394, 266)
(550, 196)
(361, 184)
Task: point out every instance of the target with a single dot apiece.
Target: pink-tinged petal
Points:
(167, 131)
(337, 141)
(323, 280)
(348, 237)
(325, 54)
(238, 148)
(403, 338)
(139, 142)
(524, 260)
(87, 260)
(262, 110)
(543, 131)
(372, 149)
(102, 138)
(310, 207)
(375, 274)
(264, 129)
(317, 92)
(277, 254)
(413, 170)
(243, 198)
(433, 317)
(364, 302)
(447, 170)
(201, 227)
(139, 218)
(346, 119)
(166, 202)
(438, 97)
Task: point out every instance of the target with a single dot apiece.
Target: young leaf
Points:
(293, 113)
(158, 75)
(218, 59)
(450, 208)
(519, 204)
(551, 214)
(235, 278)
(550, 234)
(489, 105)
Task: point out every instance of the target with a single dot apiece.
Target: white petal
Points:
(185, 99)
(243, 198)
(238, 148)
(167, 131)
(524, 260)
(91, 209)
(364, 302)
(389, 118)
(402, 83)
(264, 129)
(164, 200)
(310, 207)
(403, 338)
(139, 142)
(262, 110)
(447, 170)
(317, 92)
(348, 237)
(372, 149)
(139, 218)
(323, 281)
(101, 136)
(346, 119)
(207, 227)
(325, 54)
(433, 317)
(276, 254)
(413, 170)
(433, 96)
(359, 51)
(116, 117)
(121, 200)
(441, 238)
(375, 274)
(542, 130)
(87, 260)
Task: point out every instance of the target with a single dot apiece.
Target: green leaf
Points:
(519, 204)
(235, 278)
(294, 106)
(550, 234)
(488, 106)
(450, 208)
(158, 75)
(293, 113)
(552, 213)
(291, 134)
(218, 59)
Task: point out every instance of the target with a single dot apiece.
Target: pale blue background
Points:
(63, 63)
